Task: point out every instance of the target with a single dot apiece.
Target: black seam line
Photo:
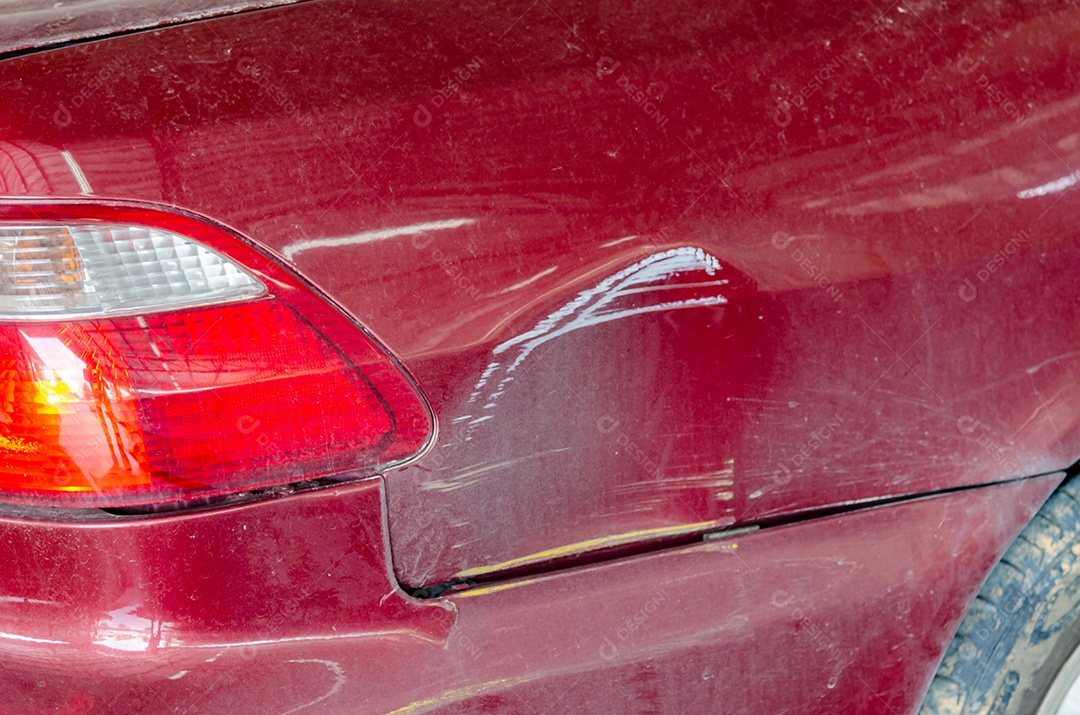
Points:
(107, 34)
(457, 585)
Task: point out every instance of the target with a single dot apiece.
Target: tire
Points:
(1023, 627)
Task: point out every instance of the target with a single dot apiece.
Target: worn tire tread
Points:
(967, 681)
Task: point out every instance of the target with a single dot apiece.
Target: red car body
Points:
(748, 332)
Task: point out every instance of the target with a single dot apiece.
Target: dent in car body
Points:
(883, 191)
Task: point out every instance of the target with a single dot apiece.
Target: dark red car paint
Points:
(288, 603)
(740, 263)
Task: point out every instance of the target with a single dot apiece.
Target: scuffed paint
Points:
(472, 475)
(590, 545)
(335, 669)
(460, 694)
(601, 304)
(38, 23)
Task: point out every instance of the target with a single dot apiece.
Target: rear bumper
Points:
(290, 603)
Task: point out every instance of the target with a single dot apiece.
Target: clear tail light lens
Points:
(149, 357)
(69, 270)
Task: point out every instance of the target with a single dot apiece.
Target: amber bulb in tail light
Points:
(150, 357)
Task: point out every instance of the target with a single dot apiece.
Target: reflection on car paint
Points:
(618, 296)
(416, 229)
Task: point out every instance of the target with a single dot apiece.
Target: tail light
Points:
(150, 357)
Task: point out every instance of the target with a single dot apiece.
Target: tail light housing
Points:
(149, 356)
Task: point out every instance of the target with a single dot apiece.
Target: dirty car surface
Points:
(711, 357)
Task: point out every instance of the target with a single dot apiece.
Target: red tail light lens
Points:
(148, 357)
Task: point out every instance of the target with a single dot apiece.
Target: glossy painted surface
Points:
(659, 270)
(872, 205)
(288, 604)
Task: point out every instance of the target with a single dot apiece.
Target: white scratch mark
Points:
(339, 682)
(77, 172)
(528, 281)
(377, 235)
(1050, 188)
